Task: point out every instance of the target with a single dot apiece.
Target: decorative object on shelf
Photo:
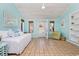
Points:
(72, 17)
(62, 23)
(71, 28)
(72, 22)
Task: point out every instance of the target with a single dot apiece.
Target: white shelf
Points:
(74, 28)
(75, 35)
(75, 39)
(77, 18)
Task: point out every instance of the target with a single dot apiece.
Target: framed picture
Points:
(9, 20)
(62, 23)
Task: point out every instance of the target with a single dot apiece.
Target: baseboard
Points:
(72, 42)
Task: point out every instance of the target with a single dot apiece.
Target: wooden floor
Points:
(50, 47)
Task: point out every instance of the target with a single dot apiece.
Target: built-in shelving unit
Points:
(74, 28)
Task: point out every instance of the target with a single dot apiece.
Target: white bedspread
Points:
(17, 44)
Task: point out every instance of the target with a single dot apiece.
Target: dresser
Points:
(3, 48)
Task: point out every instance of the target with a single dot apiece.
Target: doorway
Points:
(22, 25)
(31, 26)
(51, 26)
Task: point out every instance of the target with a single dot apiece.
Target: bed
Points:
(17, 44)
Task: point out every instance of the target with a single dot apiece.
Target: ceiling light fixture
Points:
(43, 6)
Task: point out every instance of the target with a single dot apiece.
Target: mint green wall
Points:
(26, 26)
(16, 14)
(13, 10)
(65, 17)
(36, 21)
(1, 17)
(36, 28)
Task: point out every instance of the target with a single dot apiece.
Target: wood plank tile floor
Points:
(50, 47)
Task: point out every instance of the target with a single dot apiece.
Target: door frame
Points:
(29, 25)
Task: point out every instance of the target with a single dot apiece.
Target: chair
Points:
(56, 35)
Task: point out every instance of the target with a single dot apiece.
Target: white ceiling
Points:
(33, 10)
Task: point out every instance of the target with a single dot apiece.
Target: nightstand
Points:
(3, 48)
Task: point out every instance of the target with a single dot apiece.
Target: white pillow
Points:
(11, 33)
(21, 33)
(3, 34)
(17, 34)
